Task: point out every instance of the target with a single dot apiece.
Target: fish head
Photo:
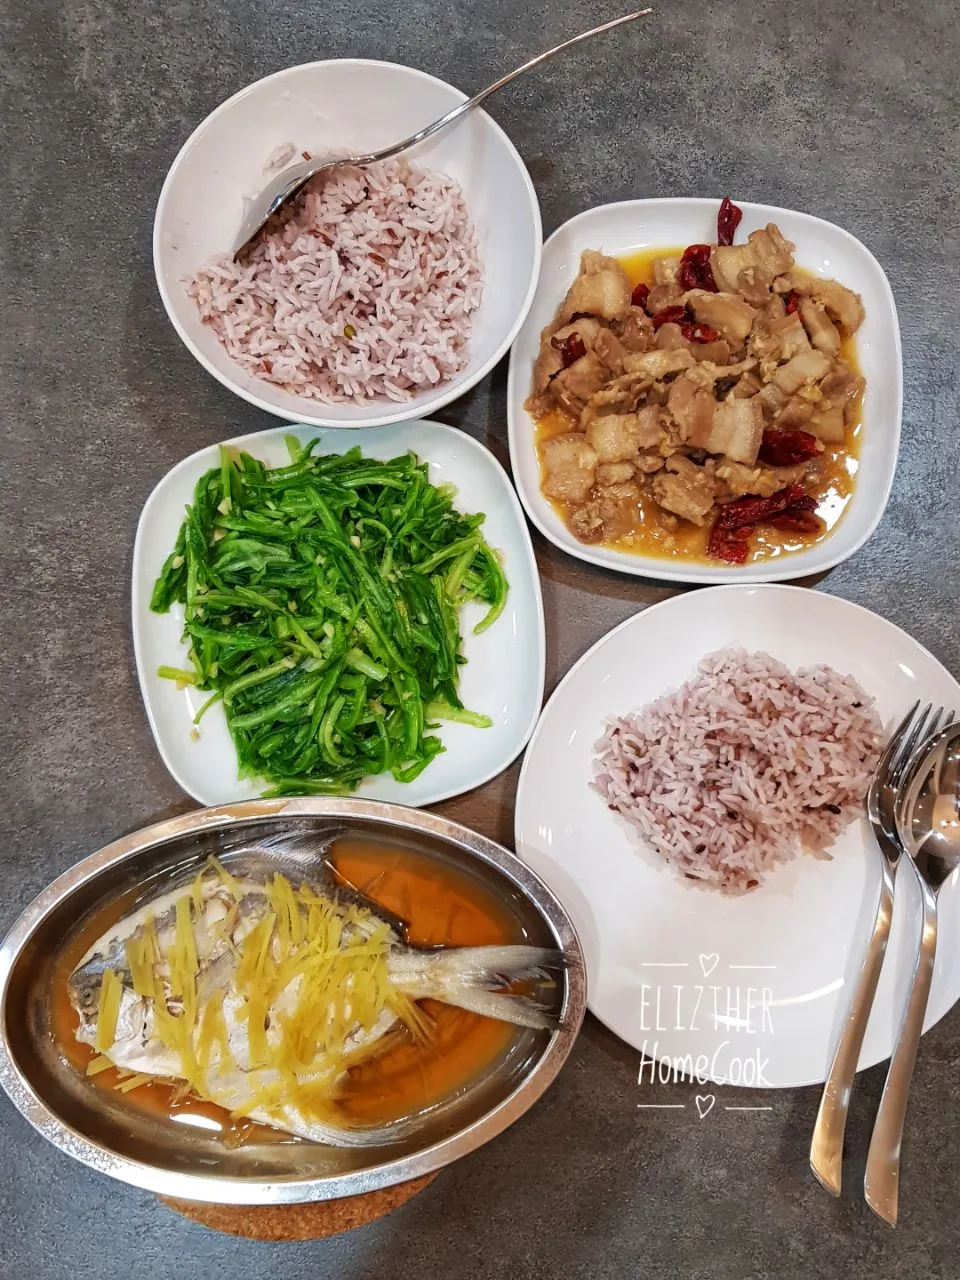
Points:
(83, 987)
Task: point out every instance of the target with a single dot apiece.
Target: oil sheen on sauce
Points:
(441, 905)
(653, 535)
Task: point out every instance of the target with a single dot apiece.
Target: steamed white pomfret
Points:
(261, 996)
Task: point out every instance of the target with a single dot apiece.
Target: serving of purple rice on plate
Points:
(747, 765)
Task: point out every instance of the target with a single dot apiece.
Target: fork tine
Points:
(909, 743)
(895, 739)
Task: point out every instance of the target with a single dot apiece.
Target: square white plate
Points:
(822, 248)
(504, 673)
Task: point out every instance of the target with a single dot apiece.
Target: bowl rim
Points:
(215, 1189)
(783, 569)
(389, 411)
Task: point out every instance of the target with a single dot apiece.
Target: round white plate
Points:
(750, 990)
(822, 248)
(503, 675)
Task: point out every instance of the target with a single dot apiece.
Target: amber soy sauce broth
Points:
(442, 905)
(653, 535)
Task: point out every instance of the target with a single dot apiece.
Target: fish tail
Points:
(473, 978)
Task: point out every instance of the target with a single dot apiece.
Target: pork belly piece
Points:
(571, 467)
(737, 429)
(657, 364)
(685, 489)
(614, 473)
(608, 348)
(807, 367)
(572, 387)
(670, 338)
(828, 425)
(601, 289)
(586, 523)
(635, 330)
(619, 504)
(549, 359)
(691, 406)
(723, 311)
(841, 387)
(796, 413)
(842, 305)
(622, 395)
(750, 269)
(617, 437)
(762, 481)
(781, 338)
(823, 333)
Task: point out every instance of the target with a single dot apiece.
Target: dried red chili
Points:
(731, 545)
(669, 315)
(693, 331)
(728, 219)
(794, 520)
(799, 517)
(792, 300)
(750, 510)
(694, 271)
(640, 295)
(784, 448)
(806, 503)
(571, 348)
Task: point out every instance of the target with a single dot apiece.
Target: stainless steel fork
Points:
(826, 1148)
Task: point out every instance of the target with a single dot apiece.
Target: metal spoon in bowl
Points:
(929, 825)
(286, 184)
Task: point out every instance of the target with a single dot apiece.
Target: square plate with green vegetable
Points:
(316, 612)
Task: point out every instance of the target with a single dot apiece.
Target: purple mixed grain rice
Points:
(365, 289)
(745, 766)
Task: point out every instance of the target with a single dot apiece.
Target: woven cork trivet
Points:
(300, 1221)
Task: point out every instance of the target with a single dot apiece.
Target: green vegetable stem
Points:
(322, 607)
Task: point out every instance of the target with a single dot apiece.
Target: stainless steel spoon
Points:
(826, 1147)
(286, 184)
(928, 819)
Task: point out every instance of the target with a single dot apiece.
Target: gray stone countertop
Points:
(848, 111)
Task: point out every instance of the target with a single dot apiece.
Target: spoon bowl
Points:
(929, 811)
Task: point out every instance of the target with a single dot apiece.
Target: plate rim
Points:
(401, 412)
(766, 587)
(138, 608)
(649, 566)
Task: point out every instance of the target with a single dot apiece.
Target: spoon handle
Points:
(882, 1180)
(826, 1148)
(482, 96)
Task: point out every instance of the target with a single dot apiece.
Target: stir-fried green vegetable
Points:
(321, 606)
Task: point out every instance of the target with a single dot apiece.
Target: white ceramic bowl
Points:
(822, 248)
(359, 106)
